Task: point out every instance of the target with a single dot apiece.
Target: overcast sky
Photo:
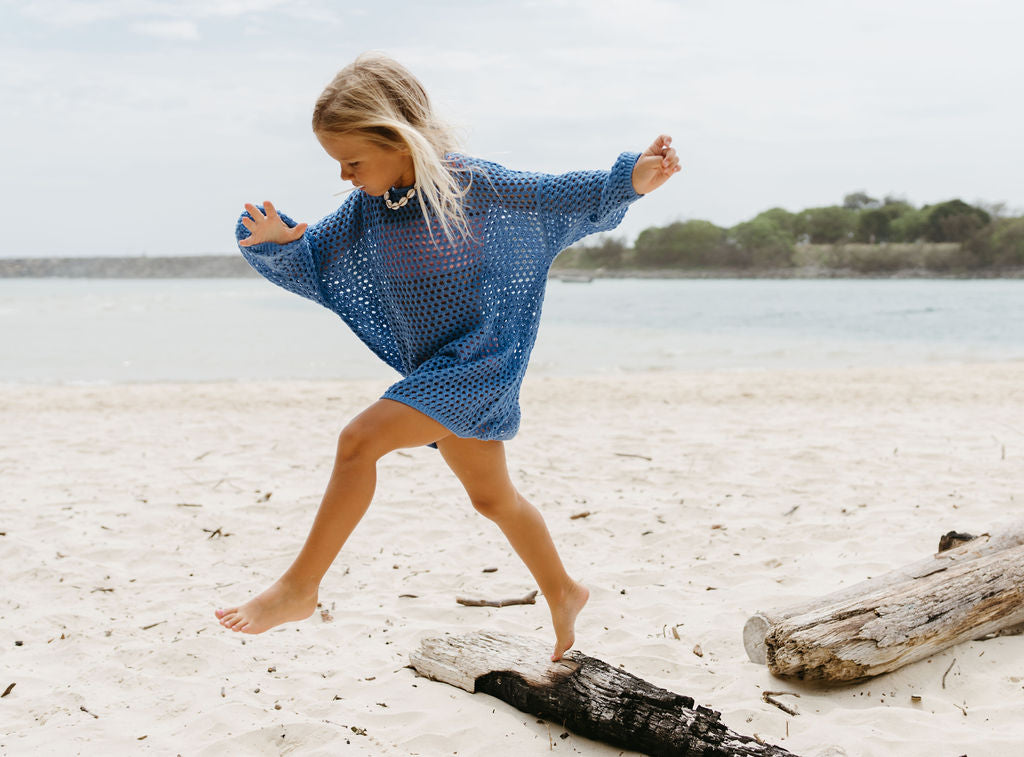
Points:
(142, 127)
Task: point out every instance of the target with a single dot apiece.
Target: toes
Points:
(560, 650)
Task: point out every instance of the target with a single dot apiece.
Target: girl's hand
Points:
(268, 227)
(655, 165)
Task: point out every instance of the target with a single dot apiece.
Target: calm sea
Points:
(97, 330)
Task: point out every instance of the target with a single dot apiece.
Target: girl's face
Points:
(370, 167)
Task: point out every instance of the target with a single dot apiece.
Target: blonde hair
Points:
(378, 99)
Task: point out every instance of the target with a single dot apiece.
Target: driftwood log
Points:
(583, 694)
(973, 589)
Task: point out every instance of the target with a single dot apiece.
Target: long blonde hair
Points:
(378, 99)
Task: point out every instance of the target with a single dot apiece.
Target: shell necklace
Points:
(400, 203)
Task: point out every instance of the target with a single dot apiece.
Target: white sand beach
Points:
(129, 512)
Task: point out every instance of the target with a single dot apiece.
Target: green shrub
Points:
(827, 225)
(761, 243)
(691, 244)
(1008, 242)
(909, 226)
(873, 226)
(954, 221)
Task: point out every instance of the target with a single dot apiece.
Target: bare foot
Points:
(279, 604)
(563, 616)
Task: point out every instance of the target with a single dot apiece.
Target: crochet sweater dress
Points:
(457, 320)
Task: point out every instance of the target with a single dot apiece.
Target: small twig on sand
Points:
(577, 516)
(529, 599)
(791, 510)
(228, 481)
(769, 697)
(215, 532)
(82, 708)
(947, 672)
(628, 454)
(152, 625)
(187, 504)
(7, 690)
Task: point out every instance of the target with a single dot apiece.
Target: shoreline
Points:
(235, 267)
(636, 376)
(802, 273)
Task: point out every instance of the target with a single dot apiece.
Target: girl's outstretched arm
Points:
(293, 256)
(655, 165)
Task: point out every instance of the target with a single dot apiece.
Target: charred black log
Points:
(585, 695)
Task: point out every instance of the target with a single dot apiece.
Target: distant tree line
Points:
(863, 234)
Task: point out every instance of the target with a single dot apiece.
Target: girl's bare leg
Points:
(383, 427)
(482, 469)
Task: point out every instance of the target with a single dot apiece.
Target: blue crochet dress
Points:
(457, 320)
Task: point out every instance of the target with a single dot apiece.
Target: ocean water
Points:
(101, 330)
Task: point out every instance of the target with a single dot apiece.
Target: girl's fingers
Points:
(256, 213)
(660, 144)
(248, 223)
(269, 207)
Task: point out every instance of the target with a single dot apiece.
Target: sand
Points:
(129, 513)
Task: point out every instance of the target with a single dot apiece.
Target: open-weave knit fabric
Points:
(457, 319)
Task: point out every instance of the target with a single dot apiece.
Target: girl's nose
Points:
(346, 175)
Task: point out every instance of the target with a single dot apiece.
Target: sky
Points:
(131, 128)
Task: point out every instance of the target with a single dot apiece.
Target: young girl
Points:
(438, 262)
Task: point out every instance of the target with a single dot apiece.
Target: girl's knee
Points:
(496, 506)
(356, 442)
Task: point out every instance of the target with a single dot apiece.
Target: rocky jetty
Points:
(176, 267)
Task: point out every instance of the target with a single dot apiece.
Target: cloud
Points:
(70, 13)
(83, 12)
(174, 30)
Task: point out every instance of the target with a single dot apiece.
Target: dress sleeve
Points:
(573, 205)
(300, 266)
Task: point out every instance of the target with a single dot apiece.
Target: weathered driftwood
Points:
(951, 550)
(875, 627)
(583, 694)
(529, 599)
